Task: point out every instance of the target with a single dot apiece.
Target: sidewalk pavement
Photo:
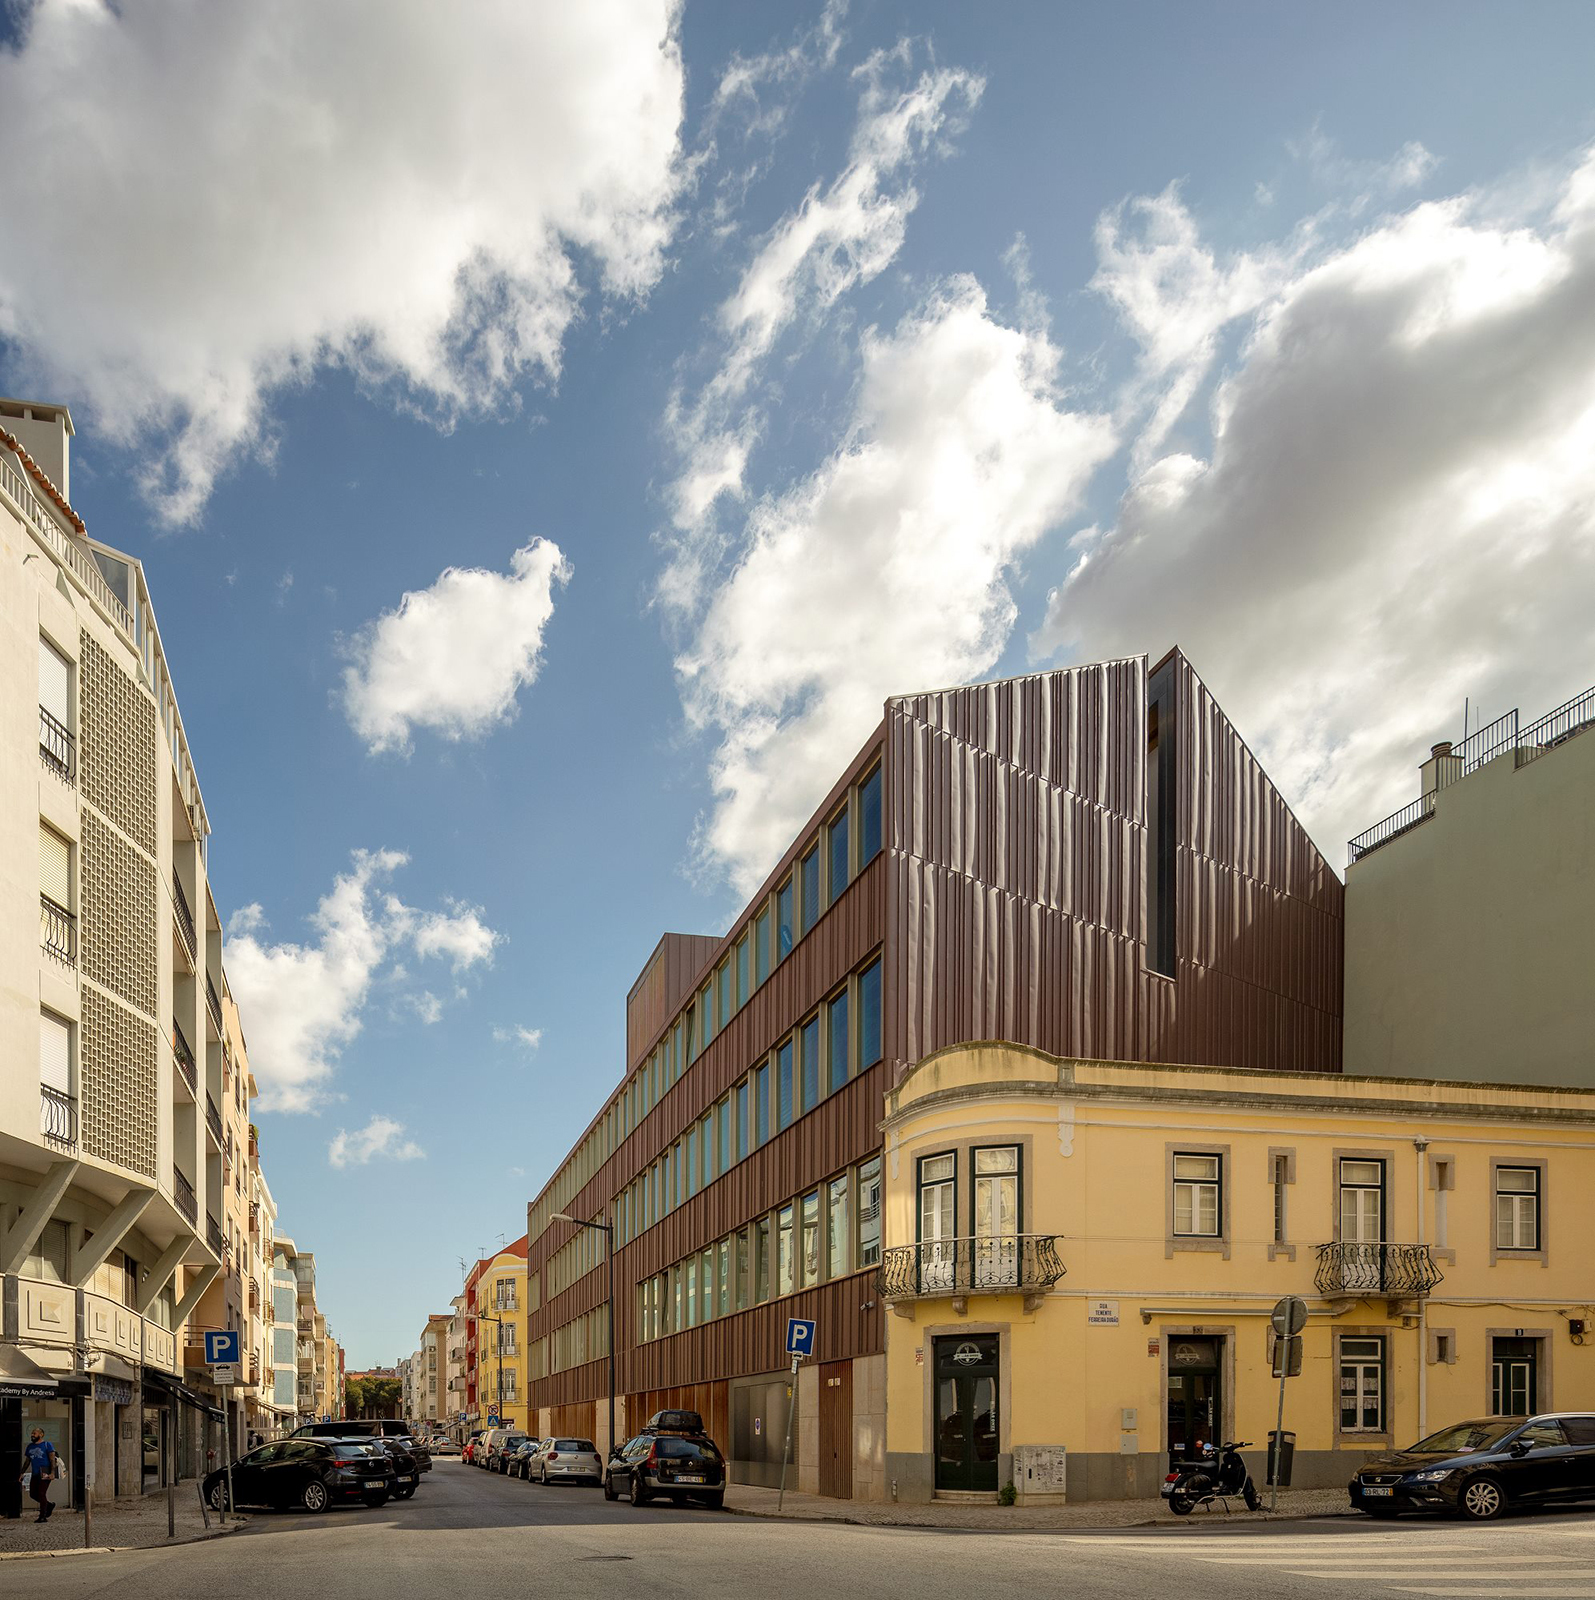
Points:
(747, 1501)
(128, 1524)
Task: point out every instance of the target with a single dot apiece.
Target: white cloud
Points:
(400, 191)
(302, 1003)
(528, 1038)
(427, 1007)
(381, 1138)
(746, 83)
(886, 569)
(453, 657)
(1396, 507)
(839, 236)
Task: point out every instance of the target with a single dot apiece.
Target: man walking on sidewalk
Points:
(41, 1459)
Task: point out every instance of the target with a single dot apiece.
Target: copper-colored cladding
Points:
(1010, 899)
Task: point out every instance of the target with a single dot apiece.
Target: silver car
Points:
(564, 1461)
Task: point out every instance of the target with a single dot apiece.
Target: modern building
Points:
(270, 1409)
(284, 1333)
(1468, 947)
(1087, 862)
(112, 1176)
(1082, 1256)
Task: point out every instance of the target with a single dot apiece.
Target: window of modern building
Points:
(810, 1259)
(761, 1261)
(1517, 1208)
(869, 818)
(55, 1077)
(809, 1062)
(785, 1251)
(707, 1012)
(784, 931)
(869, 1214)
(56, 749)
(809, 880)
(739, 1120)
(723, 1275)
(1197, 1195)
(761, 1104)
(722, 1113)
(744, 1247)
(691, 1024)
(1362, 1201)
(838, 1235)
(783, 1067)
(57, 929)
(1362, 1399)
(837, 1040)
(837, 842)
(761, 948)
(740, 962)
(692, 1292)
(723, 985)
(869, 1016)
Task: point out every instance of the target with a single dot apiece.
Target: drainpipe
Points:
(1420, 1145)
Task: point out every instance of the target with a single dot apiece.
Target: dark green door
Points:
(1514, 1377)
(967, 1374)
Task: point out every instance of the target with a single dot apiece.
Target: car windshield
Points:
(1463, 1437)
(574, 1446)
(687, 1449)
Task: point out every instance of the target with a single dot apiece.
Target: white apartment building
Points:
(112, 1173)
(284, 1332)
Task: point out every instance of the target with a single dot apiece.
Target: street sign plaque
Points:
(1290, 1316)
(224, 1372)
(799, 1336)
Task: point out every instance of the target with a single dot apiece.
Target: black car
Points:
(372, 1428)
(1480, 1468)
(673, 1458)
(306, 1474)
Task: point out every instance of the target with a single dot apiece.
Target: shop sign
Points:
(967, 1355)
(1186, 1353)
(1103, 1313)
(27, 1391)
(1153, 1346)
(117, 1391)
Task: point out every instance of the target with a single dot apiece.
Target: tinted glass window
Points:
(869, 1016)
(1465, 1437)
(684, 1450)
(573, 1445)
(1580, 1430)
(1543, 1433)
(869, 817)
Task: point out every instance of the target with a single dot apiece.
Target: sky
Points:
(550, 438)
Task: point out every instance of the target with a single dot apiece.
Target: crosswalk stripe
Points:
(1584, 1592)
(1390, 1561)
(1531, 1591)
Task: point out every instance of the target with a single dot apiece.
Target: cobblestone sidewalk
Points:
(751, 1502)
(122, 1524)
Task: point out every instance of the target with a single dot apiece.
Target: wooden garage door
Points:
(836, 1429)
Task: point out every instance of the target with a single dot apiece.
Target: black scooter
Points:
(1218, 1475)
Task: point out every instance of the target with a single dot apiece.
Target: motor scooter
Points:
(1218, 1474)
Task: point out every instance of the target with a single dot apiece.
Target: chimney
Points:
(1440, 769)
(45, 432)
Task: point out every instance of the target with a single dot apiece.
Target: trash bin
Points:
(1281, 1449)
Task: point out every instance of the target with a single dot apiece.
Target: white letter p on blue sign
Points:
(799, 1337)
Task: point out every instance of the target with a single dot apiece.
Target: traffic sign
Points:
(492, 1420)
(223, 1345)
(1287, 1357)
(224, 1372)
(799, 1336)
(1290, 1316)
(326, 1416)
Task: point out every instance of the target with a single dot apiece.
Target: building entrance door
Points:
(836, 1429)
(1195, 1401)
(1514, 1377)
(967, 1374)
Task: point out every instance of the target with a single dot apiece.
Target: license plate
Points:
(402, 1480)
(374, 1483)
(1368, 1489)
(691, 1480)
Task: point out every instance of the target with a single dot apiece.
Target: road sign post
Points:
(224, 1353)
(799, 1343)
(1289, 1318)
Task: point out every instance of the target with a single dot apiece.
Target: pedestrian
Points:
(41, 1461)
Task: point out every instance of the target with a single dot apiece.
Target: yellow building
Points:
(499, 1300)
(1082, 1257)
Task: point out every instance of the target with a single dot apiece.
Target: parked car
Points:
(515, 1467)
(388, 1430)
(1478, 1469)
(468, 1449)
(443, 1446)
(500, 1445)
(563, 1461)
(310, 1474)
(673, 1457)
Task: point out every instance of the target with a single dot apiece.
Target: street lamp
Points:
(608, 1230)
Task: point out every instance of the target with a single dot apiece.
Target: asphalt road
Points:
(469, 1533)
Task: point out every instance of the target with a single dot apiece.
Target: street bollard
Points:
(88, 1515)
(204, 1510)
(171, 1510)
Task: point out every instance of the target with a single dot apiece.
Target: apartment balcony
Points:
(955, 1269)
(58, 750)
(183, 1055)
(213, 1121)
(254, 1217)
(254, 1293)
(183, 1194)
(213, 1236)
(58, 1119)
(183, 918)
(1375, 1271)
(58, 932)
(213, 1004)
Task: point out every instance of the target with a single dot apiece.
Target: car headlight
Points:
(1433, 1475)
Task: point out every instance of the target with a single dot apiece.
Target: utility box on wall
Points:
(1040, 1474)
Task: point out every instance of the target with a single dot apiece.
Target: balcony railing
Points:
(58, 750)
(184, 918)
(1022, 1263)
(213, 1002)
(213, 1235)
(58, 931)
(213, 1119)
(254, 1215)
(58, 1118)
(184, 1057)
(183, 1193)
(1398, 1271)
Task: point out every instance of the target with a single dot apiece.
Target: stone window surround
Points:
(1387, 1160)
(1358, 1438)
(1282, 1249)
(963, 1153)
(1545, 1338)
(1432, 1354)
(1442, 1179)
(1219, 1242)
(1539, 1165)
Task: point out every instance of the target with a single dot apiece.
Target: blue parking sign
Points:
(222, 1345)
(799, 1337)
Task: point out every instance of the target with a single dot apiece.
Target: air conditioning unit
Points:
(1040, 1474)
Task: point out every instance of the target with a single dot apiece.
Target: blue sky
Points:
(833, 353)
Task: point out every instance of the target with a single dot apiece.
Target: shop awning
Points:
(22, 1378)
(164, 1385)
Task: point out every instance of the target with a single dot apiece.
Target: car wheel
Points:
(375, 1500)
(609, 1489)
(405, 1493)
(1482, 1498)
(715, 1502)
(314, 1496)
(640, 1495)
(218, 1495)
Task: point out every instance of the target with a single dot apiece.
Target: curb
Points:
(1082, 1527)
(117, 1549)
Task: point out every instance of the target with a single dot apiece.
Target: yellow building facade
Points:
(1081, 1258)
(501, 1353)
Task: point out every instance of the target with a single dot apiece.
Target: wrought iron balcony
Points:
(1396, 1271)
(183, 1193)
(213, 1235)
(58, 1118)
(58, 750)
(213, 1120)
(213, 1003)
(184, 1057)
(58, 931)
(1019, 1263)
(184, 918)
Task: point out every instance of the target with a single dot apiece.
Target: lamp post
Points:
(608, 1230)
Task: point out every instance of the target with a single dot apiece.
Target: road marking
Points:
(1391, 1561)
(1587, 1592)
